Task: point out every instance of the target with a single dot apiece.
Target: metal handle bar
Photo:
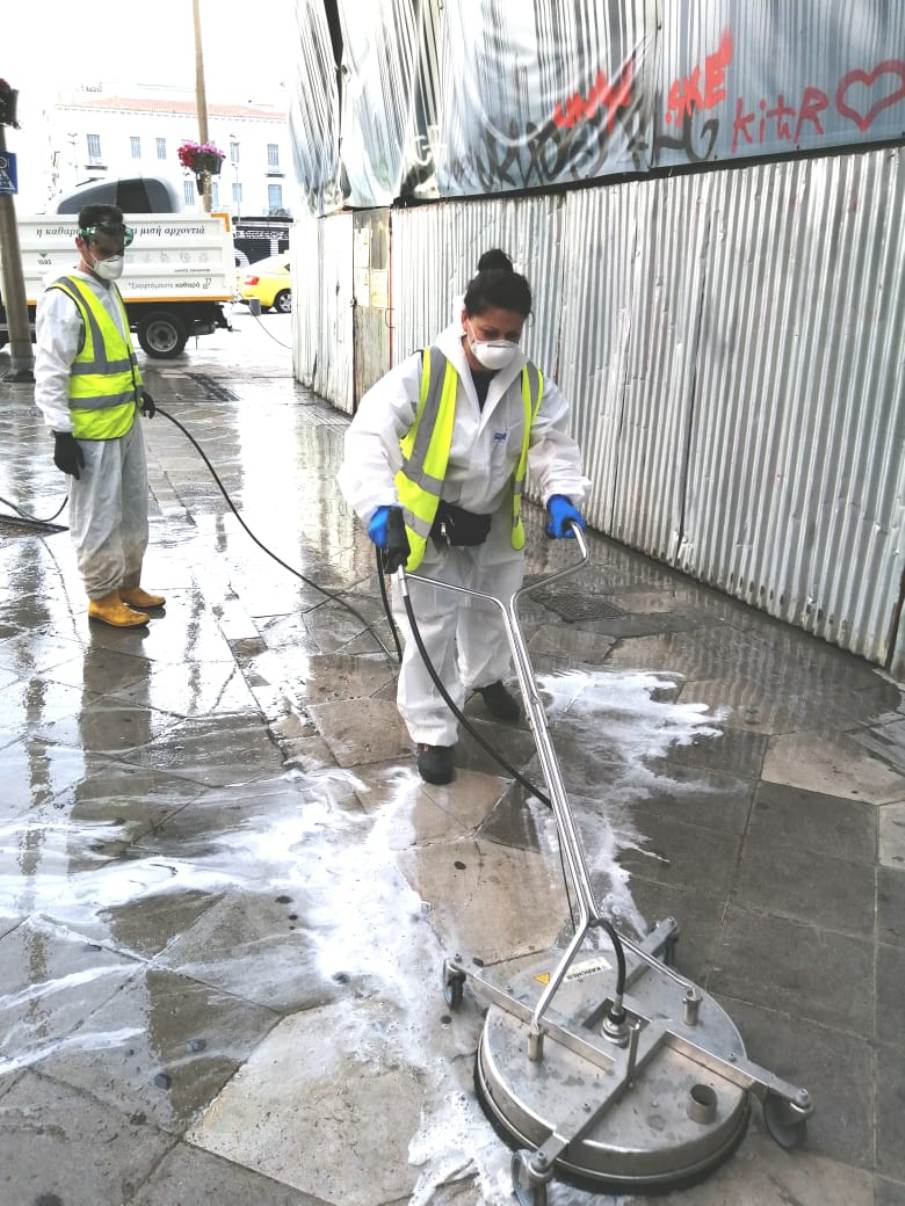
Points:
(570, 841)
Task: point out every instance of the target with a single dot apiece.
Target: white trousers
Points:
(108, 512)
(465, 638)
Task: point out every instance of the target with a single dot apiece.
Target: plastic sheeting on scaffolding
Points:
(448, 98)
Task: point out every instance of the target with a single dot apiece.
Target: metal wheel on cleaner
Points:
(616, 1074)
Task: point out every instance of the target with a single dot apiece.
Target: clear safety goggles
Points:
(112, 230)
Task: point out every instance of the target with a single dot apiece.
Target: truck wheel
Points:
(282, 303)
(162, 334)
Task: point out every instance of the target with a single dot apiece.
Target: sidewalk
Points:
(225, 894)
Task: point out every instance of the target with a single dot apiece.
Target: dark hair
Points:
(495, 259)
(90, 215)
(497, 287)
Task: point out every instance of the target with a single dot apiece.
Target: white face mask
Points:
(110, 269)
(493, 354)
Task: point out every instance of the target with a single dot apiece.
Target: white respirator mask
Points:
(110, 269)
(494, 354)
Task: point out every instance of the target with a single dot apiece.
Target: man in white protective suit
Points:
(447, 438)
(89, 388)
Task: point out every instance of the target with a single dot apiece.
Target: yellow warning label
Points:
(543, 978)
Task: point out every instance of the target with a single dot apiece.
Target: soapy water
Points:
(331, 842)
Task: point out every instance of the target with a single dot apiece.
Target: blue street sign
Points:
(9, 180)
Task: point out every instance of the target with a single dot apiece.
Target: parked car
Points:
(270, 282)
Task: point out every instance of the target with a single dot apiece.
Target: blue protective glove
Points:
(378, 527)
(562, 515)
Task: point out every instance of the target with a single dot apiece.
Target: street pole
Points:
(201, 101)
(14, 303)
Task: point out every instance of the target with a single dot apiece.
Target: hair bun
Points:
(495, 260)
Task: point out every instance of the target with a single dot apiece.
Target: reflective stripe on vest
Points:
(105, 376)
(426, 447)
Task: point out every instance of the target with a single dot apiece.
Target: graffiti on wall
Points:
(540, 106)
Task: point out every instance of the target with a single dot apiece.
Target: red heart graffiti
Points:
(869, 78)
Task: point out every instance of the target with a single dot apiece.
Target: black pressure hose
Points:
(263, 547)
(32, 520)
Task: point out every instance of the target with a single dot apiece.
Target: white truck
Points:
(179, 270)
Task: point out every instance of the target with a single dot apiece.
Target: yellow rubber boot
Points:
(134, 596)
(113, 611)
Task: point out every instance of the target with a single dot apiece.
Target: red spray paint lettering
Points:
(685, 95)
(603, 95)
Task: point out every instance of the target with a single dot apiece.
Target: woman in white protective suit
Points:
(447, 436)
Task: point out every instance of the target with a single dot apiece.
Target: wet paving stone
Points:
(681, 855)
(102, 671)
(835, 766)
(797, 703)
(892, 835)
(371, 731)
(52, 979)
(787, 881)
(163, 1046)
(32, 771)
(890, 994)
(108, 726)
(891, 906)
(813, 821)
(890, 1095)
(188, 1175)
(836, 1068)
(467, 883)
(212, 750)
(887, 742)
(47, 1131)
(889, 1193)
(193, 689)
(28, 704)
(796, 969)
(35, 654)
(356, 1151)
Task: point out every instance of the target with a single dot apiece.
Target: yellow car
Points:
(269, 281)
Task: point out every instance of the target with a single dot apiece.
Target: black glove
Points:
(396, 550)
(67, 455)
(148, 408)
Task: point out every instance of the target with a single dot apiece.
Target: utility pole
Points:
(201, 101)
(14, 303)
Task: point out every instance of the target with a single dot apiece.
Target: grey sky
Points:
(51, 46)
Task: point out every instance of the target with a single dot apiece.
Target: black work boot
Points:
(435, 763)
(500, 702)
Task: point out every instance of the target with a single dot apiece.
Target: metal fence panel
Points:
(796, 482)
(435, 251)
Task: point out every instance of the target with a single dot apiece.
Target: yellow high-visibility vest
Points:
(104, 381)
(427, 443)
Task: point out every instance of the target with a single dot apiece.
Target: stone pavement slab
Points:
(52, 980)
(798, 969)
(892, 835)
(58, 1146)
(311, 1110)
(172, 1044)
(814, 821)
(188, 1176)
(835, 765)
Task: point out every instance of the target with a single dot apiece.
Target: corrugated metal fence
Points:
(732, 343)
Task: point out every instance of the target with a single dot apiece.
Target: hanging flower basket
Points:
(8, 98)
(202, 158)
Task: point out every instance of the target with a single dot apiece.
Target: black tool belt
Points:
(453, 526)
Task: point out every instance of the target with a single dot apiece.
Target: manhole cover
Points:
(574, 606)
(212, 388)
